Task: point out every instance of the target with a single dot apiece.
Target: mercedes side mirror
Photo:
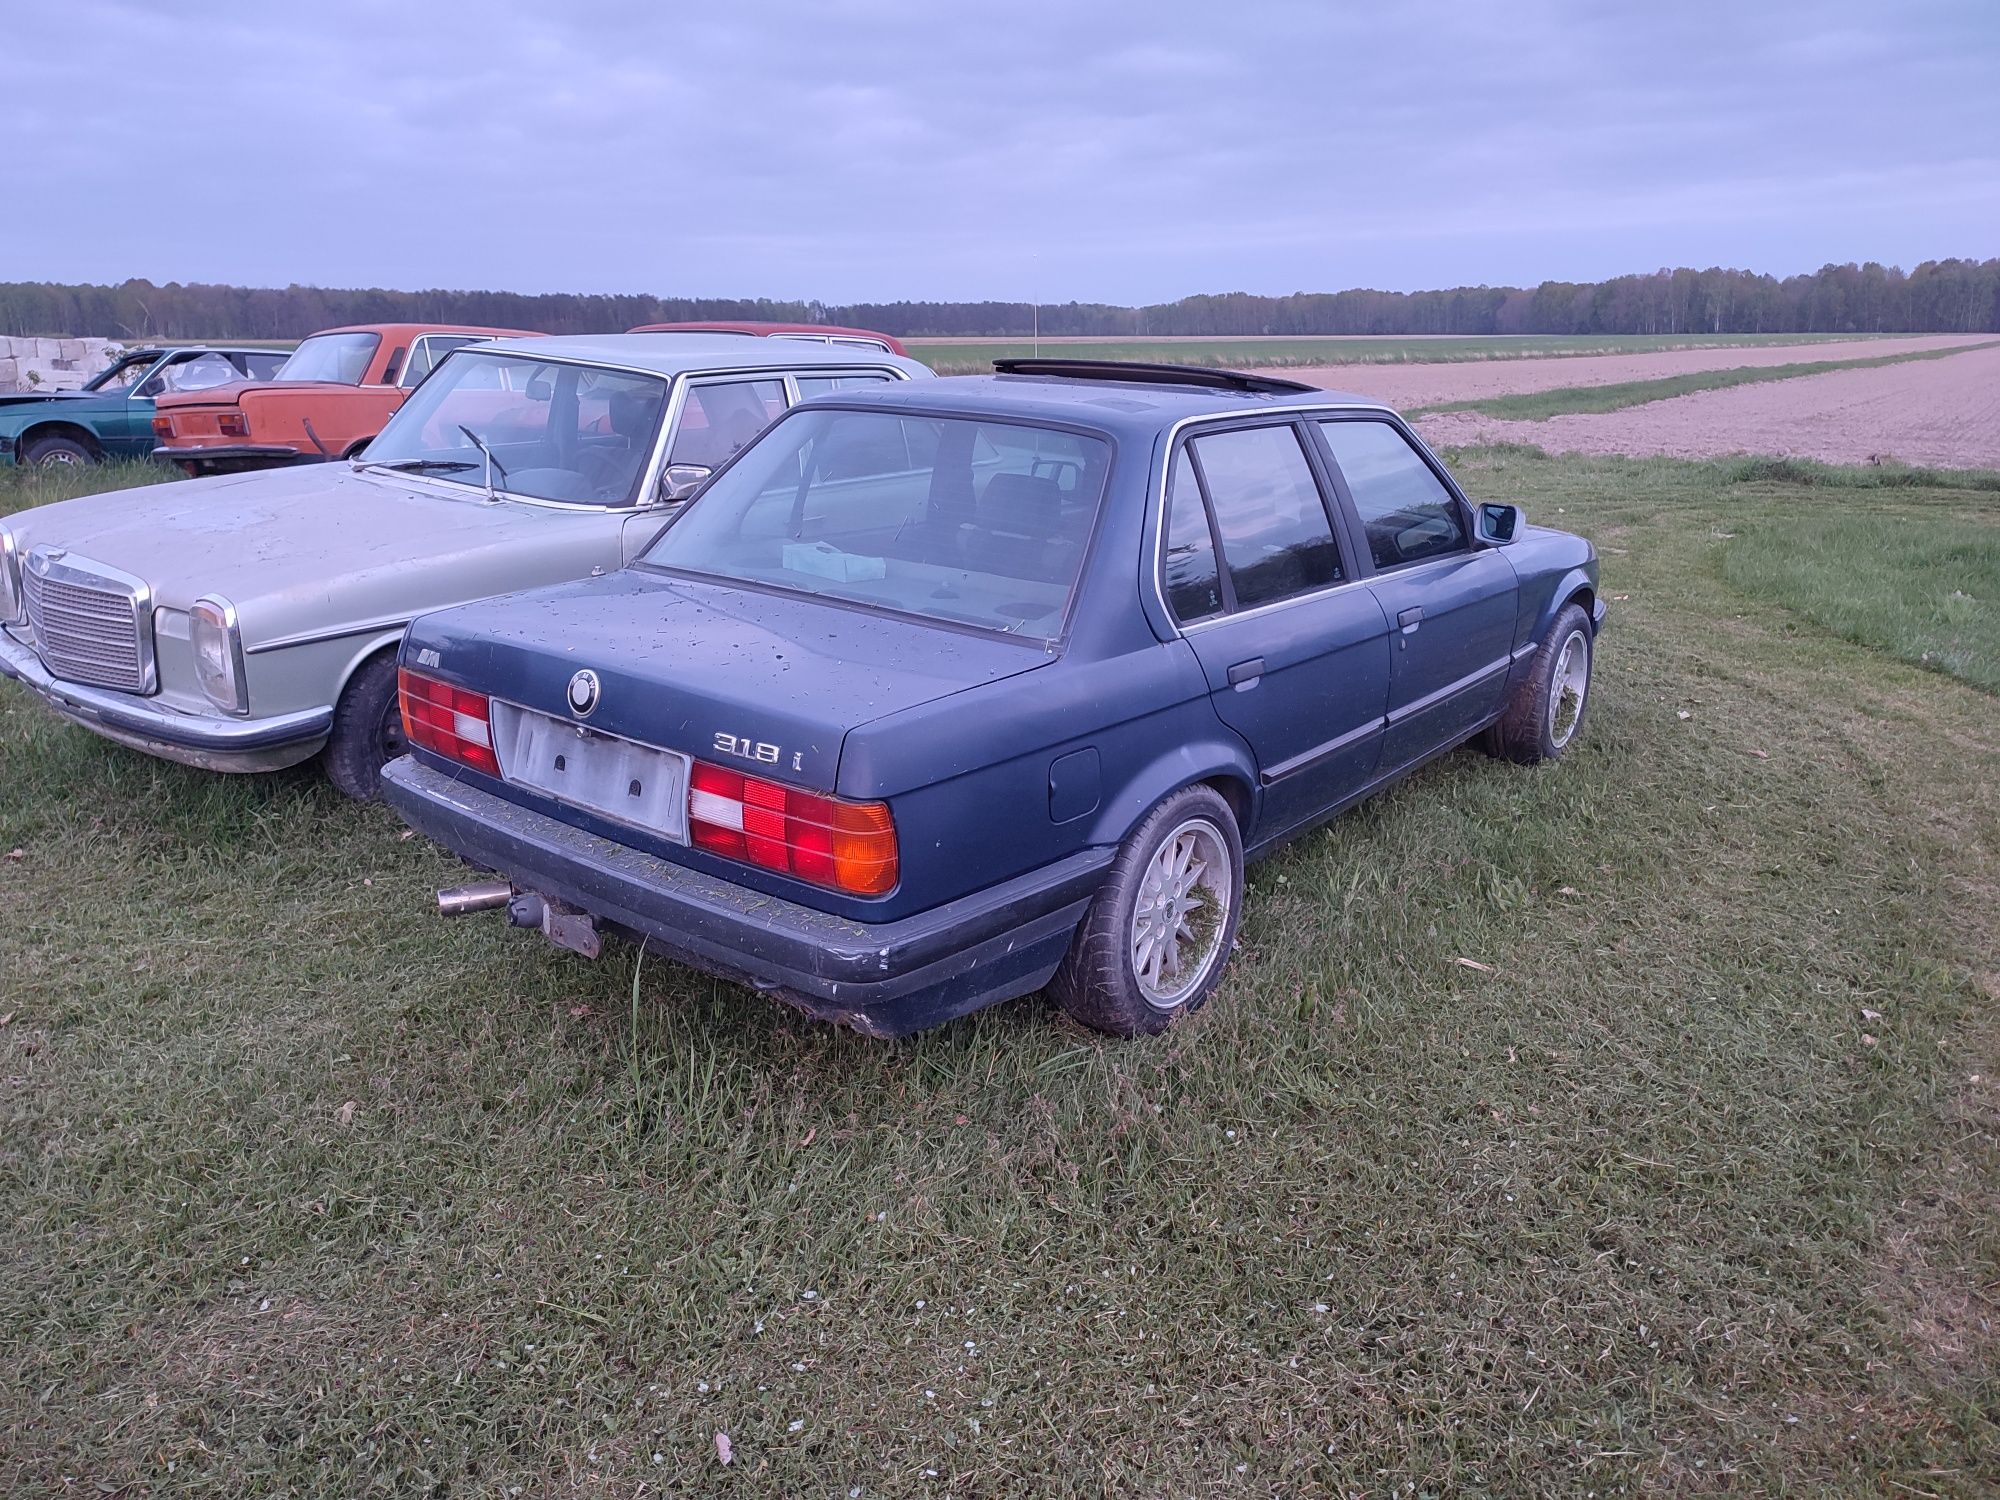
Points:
(678, 481)
(1499, 524)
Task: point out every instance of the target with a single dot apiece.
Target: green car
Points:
(112, 416)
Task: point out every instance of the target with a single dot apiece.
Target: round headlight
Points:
(218, 652)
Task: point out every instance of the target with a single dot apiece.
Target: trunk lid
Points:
(764, 683)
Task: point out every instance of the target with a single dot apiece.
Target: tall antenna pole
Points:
(1036, 257)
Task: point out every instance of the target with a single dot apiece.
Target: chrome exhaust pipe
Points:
(484, 895)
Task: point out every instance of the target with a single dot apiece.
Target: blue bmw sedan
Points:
(945, 693)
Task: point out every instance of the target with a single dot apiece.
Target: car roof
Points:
(682, 353)
(1125, 407)
(758, 329)
(411, 330)
(154, 351)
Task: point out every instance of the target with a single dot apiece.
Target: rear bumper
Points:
(210, 742)
(885, 979)
(235, 454)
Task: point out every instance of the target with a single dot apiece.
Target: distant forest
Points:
(1942, 296)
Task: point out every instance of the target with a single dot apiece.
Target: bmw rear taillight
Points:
(454, 722)
(233, 424)
(846, 846)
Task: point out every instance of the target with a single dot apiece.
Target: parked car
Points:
(330, 398)
(248, 622)
(112, 416)
(812, 333)
(942, 693)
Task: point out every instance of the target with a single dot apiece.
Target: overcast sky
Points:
(1102, 150)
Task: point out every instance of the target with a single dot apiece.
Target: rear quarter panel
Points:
(971, 778)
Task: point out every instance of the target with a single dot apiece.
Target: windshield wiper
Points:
(492, 463)
(420, 465)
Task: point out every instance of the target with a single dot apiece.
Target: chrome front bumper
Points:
(209, 741)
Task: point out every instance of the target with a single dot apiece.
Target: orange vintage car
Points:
(330, 398)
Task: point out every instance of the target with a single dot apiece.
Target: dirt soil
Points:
(1404, 386)
(1941, 412)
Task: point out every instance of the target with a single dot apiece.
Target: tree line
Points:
(1938, 296)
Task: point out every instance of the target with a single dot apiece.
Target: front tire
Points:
(1545, 715)
(1161, 927)
(367, 730)
(57, 453)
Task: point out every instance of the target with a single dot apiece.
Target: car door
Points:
(1296, 655)
(1450, 603)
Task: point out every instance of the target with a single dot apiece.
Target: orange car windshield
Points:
(335, 358)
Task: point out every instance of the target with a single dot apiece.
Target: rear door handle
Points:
(1246, 672)
(1410, 618)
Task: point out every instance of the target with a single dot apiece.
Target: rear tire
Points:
(1162, 925)
(57, 453)
(367, 730)
(1545, 715)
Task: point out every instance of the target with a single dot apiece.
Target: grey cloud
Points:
(1119, 151)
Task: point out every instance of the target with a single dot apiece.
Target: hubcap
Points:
(62, 458)
(1181, 914)
(1567, 689)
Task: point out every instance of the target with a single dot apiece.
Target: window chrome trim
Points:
(1156, 497)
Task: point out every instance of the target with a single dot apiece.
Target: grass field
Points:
(1535, 406)
(1690, 1188)
(976, 356)
(1929, 594)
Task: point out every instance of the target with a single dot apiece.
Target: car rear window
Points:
(977, 523)
(337, 358)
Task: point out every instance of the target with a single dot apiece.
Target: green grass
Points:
(976, 356)
(21, 488)
(1926, 593)
(305, 1191)
(1536, 406)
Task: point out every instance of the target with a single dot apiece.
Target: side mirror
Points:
(678, 481)
(1499, 524)
(541, 388)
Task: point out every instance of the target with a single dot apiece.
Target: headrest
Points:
(1023, 504)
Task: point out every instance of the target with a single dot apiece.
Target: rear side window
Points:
(337, 358)
(428, 351)
(1407, 512)
(819, 385)
(1194, 587)
(722, 416)
(1275, 534)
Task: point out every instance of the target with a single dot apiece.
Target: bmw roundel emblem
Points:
(583, 693)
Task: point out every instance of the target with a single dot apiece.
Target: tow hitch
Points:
(560, 923)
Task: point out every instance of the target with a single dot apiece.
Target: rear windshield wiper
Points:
(420, 465)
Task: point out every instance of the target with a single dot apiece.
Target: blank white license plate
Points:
(637, 784)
